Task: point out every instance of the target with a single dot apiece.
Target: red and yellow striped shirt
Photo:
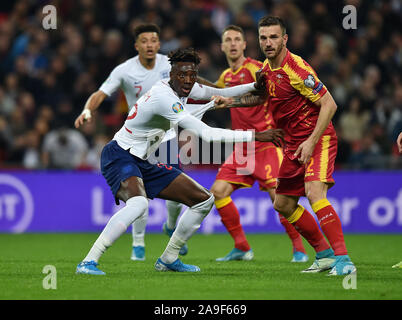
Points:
(293, 88)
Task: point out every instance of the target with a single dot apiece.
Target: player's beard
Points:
(278, 51)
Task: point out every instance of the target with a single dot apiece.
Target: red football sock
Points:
(305, 224)
(294, 236)
(230, 218)
(330, 225)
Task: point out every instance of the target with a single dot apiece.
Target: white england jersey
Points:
(161, 107)
(135, 80)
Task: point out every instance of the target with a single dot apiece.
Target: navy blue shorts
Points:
(168, 153)
(118, 165)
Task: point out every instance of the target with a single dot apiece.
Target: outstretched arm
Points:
(91, 105)
(245, 100)
(211, 134)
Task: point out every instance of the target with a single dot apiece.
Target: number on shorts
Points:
(310, 165)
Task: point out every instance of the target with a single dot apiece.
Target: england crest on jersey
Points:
(165, 74)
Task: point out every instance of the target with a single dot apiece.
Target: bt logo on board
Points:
(16, 205)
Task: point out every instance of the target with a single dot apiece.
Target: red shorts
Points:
(262, 165)
(293, 174)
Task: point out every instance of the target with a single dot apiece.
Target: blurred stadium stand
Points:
(47, 75)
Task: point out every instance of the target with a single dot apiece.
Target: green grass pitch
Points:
(269, 276)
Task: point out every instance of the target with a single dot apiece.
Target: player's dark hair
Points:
(146, 27)
(184, 55)
(234, 28)
(272, 21)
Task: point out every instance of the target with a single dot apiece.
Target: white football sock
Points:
(117, 225)
(173, 212)
(189, 223)
(138, 230)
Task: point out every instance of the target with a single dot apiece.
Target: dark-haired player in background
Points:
(302, 106)
(263, 162)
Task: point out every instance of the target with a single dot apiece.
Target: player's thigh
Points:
(131, 187)
(185, 190)
(271, 192)
(221, 189)
(318, 174)
(268, 163)
(316, 190)
(285, 204)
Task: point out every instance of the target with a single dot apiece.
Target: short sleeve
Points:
(304, 79)
(113, 82)
(221, 81)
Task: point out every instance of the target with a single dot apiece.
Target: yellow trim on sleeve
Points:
(222, 202)
(316, 206)
(252, 68)
(296, 214)
(221, 81)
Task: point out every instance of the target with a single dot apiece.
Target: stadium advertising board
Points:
(82, 202)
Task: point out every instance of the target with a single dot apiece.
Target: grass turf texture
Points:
(269, 276)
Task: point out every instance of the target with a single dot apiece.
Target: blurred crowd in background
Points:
(46, 76)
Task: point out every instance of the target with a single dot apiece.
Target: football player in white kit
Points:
(135, 77)
(133, 179)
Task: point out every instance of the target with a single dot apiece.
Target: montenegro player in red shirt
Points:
(244, 167)
(302, 106)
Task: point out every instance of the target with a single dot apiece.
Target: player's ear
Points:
(285, 38)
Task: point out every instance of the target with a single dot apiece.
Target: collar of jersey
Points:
(282, 64)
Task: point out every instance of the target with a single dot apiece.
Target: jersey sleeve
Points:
(253, 68)
(221, 81)
(113, 82)
(170, 108)
(198, 110)
(211, 134)
(201, 92)
(304, 79)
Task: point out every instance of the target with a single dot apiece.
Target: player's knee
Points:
(315, 191)
(139, 204)
(221, 191)
(205, 206)
(281, 207)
